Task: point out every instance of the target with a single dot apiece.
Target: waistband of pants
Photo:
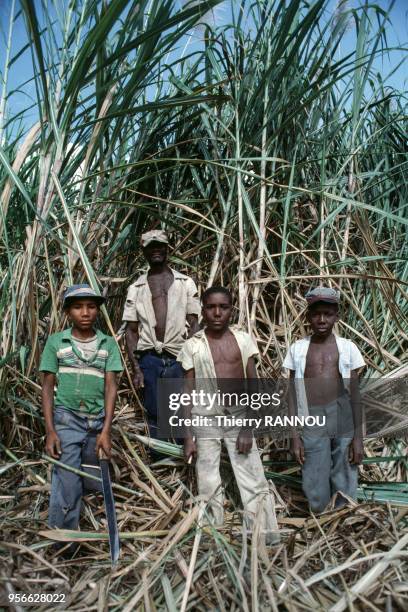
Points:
(341, 398)
(162, 355)
(81, 414)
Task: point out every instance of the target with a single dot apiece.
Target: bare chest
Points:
(159, 285)
(322, 360)
(227, 357)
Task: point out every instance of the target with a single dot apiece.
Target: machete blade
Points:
(110, 511)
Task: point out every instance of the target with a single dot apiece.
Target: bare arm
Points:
(190, 447)
(132, 338)
(53, 443)
(192, 320)
(296, 443)
(103, 441)
(251, 369)
(245, 436)
(356, 453)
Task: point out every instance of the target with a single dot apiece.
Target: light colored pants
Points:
(327, 469)
(248, 470)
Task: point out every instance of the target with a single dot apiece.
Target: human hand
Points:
(356, 451)
(298, 450)
(244, 441)
(103, 443)
(138, 379)
(53, 445)
(190, 449)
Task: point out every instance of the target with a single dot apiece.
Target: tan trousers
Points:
(256, 497)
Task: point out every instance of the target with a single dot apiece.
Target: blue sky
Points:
(397, 34)
(21, 70)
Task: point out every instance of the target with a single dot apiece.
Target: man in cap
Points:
(159, 307)
(324, 368)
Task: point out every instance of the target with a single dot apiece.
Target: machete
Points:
(110, 508)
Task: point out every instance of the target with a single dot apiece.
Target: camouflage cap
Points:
(323, 294)
(154, 236)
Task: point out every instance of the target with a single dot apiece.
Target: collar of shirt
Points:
(67, 338)
(232, 328)
(202, 338)
(142, 280)
(175, 320)
(343, 347)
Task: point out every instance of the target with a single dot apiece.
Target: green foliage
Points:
(274, 161)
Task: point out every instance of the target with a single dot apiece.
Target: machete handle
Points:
(102, 455)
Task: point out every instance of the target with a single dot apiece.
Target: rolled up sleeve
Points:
(289, 362)
(252, 348)
(193, 303)
(185, 357)
(130, 310)
(356, 358)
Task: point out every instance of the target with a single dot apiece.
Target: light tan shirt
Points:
(181, 300)
(196, 354)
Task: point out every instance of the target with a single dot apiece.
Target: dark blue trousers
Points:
(153, 369)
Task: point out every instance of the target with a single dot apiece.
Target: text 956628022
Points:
(32, 599)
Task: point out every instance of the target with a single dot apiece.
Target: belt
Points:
(162, 355)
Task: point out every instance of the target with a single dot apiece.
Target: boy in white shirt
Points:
(328, 366)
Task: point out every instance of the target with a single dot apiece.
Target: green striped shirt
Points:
(80, 381)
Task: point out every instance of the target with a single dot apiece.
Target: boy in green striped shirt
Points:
(78, 399)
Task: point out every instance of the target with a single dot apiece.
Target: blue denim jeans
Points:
(153, 369)
(78, 438)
